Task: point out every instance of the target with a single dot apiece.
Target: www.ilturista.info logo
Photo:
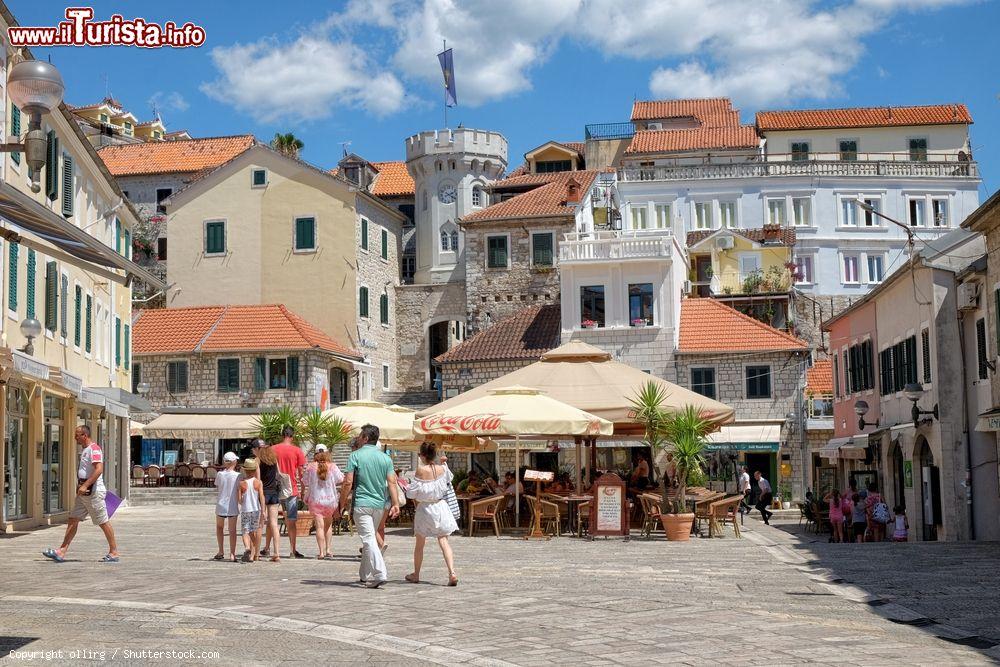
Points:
(80, 30)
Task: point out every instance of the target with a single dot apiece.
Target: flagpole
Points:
(444, 47)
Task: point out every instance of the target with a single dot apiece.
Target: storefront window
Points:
(15, 481)
(51, 449)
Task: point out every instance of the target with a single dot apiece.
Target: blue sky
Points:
(365, 71)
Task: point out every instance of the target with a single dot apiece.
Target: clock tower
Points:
(451, 170)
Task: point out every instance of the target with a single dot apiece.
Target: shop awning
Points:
(222, 425)
(845, 448)
(22, 212)
(989, 421)
(746, 438)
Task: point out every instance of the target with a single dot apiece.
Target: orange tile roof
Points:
(819, 378)
(718, 108)
(526, 178)
(578, 146)
(518, 171)
(229, 328)
(816, 119)
(786, 235)
(547, 200)
(168, 157)
(527, 334)
(393, 180)
(702, 138)
(708, 325)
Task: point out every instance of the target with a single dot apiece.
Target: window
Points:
(103, 117)
(859, 367)
(305, 234)
(383, 308)
(51, 296)
(12, 250)
(981, 351)
(749, 263)
(848, 212)
(918, 150)
(542, 249)
(876, 269)
(161, 248)
(758, 381)
(727, 214)
(776, 212)
(925, 348)
(363, 301)
(870, 217)
(385, 244)
(848, 150)
(277, 373)
(258, 178)
(849, 269)
(592, 304)
(77, 314)
(385, 376)
(449, 238)
(703, 381)
(52, 166)
(898, 366)
(228, 376)
(703, 215)
(639, 217)
(804, 270)
(800, 151)
(136, 377)
(409, 269)
(67, 185)
(663, 216)
(552, 166)
(177, 377)
(496, 252)
(477, 196)
(836, 376)
(640, 304)
(801, 211)
(364, 233)
(915, 207)
(821, 407)
(647, 172)
(215, 238)
(161, 194)
(940, 211)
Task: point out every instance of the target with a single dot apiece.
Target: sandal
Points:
(54, 555)
(453, 580)
(412, 578)
(218, 557)
(108, 558)
(275, 559)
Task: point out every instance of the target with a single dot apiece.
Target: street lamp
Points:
(915, 391)
(861, 407)
(30, 329)
(36, 88)
(143, 388)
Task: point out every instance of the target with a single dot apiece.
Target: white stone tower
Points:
(451, 169)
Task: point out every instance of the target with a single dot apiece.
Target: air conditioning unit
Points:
(686, 288)
(968, 296)
(654, 126)
(724, 242)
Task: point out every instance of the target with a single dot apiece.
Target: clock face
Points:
(447, 194)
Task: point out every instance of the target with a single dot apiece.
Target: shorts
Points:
(271, 497)
(859, 526)
(250, 521)
(291, 506)
(322, 510)
(226, 516)
(92, 505)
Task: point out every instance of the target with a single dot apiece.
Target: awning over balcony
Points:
(20, 212)
(845, 448)
(746, 438)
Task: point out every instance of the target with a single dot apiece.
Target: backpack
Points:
(881, 512)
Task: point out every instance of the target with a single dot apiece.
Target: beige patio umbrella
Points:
(512, 411)
(395, 423)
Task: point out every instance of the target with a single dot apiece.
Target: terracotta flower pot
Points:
(303, 524)
(677, 526)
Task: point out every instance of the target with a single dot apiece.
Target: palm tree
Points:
(316, 428)
(287, 144)
(269, 424)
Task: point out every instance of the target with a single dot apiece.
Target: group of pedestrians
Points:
(861, 515)
(765, 494)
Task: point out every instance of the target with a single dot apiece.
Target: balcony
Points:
(615, 245)
(899, 165)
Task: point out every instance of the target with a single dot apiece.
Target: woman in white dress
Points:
(433, 518)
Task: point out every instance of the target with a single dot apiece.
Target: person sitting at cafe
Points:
(492, 486)
(556, 485)
(510, 489)
(471, 485)
(639, 479)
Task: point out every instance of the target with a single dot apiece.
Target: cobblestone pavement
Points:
(770, 598)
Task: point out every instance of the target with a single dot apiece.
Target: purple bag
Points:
(111, 501)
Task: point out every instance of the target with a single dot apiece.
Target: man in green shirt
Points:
(369, 473)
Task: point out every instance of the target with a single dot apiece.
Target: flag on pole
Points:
(448, 69)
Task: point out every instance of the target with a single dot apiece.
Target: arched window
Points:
(449, 237)
(445, 240)
(451, 165)
(477, 196)
(454, 240)
(438, 165)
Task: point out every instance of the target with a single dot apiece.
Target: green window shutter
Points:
(541, 249)
(364, 234)
(118, 235)
(30, 285)
(228, 375)
(127, 343)
(128, 244)
(215, 238)
(64, 305)
(363, 302)
(87, 322)
(77, 315)
(293, 373)
(52, 166)
(383, 308)
(118, 341)
(67, 185)
(305, 233)
(385, 244)
(15, 132)
(51, 296)
(260, 374)
(12, 277)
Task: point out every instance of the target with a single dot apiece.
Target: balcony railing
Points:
(600, 131)
(902, 167)
(615, 245)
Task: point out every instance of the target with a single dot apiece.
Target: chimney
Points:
(572, 191)
(772, 234)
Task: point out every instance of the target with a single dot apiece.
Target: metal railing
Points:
(615, 245)
(609, 131)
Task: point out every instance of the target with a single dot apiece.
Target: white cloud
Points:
(172, 101)
(305, 80)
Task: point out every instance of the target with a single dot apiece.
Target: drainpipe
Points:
(965, 428)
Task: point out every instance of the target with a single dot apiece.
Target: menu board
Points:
(609, 509)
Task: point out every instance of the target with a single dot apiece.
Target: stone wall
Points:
(417, 308)
(647, 348)
(494, 294)
(480, 372)
(810, 311)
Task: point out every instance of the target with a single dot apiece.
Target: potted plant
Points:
(682, 434)
(588, 324)
(785, 494)
(639, 322)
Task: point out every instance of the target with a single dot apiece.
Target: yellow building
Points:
(64, 268)
(746, 268)
(108, 123)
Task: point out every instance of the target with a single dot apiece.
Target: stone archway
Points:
(898, 474)
(930, 489)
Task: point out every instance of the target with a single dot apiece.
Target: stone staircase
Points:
(144, 496)
(415, 400)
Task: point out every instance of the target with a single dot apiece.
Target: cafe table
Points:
(573, 501)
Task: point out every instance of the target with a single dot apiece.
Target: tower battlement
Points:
(482, 144)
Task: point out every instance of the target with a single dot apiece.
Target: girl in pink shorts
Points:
(322, 481)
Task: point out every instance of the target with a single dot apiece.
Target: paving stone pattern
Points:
(759, 600)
